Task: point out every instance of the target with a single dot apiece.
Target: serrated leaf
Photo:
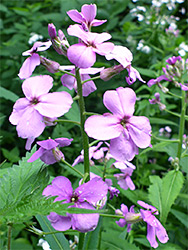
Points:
(22, 181)
(171, 186)
(56, 241)
(7, 94)
(155, 192)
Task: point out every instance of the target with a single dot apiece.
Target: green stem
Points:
(85, 139)
(9, 236)
(91, 79)
(182, 124)
(66, 72)
(174, 95)
(175, 114)
(81, 241)
(70, 166)
(165, 140)
(90, 113)
(93, 143)
(67, 121)
(113, 216)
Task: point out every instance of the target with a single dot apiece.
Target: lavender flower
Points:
(126, 132)
(85, 196)
(49, 151)
(29, 112)
(124, 179)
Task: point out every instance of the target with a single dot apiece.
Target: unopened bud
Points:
(164, 89)
(107, 74)
(52, 31)
(161, 106)
(133, 217)
(58, 155)
(50, 65)
(49, 121)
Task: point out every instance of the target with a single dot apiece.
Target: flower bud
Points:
(107, 74)
(52, 31)
(133, 217)
(58, 155)
(50, 65)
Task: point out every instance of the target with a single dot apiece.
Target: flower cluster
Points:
(127, 133)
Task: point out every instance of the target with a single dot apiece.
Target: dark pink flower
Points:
(86, 17)
(87, 196)
(126, 132)
(49, 151)
(33, 60)
(29, 113)
(83, 54)
(154, 227)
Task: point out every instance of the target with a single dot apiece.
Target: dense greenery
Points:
(157, 181)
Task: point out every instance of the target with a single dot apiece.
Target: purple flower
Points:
(172, 60)
(124, 179)
(157, 80)
(86, 17)
(124, 57)
(33, 60)
(123, 165)
(29, 113)
(70, 81)
(157, 100)
(126, 132)
(83, 54)
(130, 217)
(94, 153)
(85, 196)
(49, 151)
(154, 227)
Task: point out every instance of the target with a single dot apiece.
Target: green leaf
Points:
(155, 192)
(171, 186)
(147, 72)
(74, 113)
(7, 94)
(56, 241)
(161, 121)
(182, 217)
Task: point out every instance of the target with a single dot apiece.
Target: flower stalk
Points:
(182, 124)
(85, 139)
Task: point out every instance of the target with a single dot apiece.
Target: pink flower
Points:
(124, 57)
(87, 196)
(29, 113)
(83, 54)
(70, 81)
(126, 132)
(94, 153)
(154, 227)
(49, 151)
(86, 17)
(157, 80)
(33, 60)
(124, 179)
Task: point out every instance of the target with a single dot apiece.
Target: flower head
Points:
(33, 60)
(124, 179)
(29, 113)
(86, 17)
(154, 227)
(85, 196)
(83, 54)
(126, 132)
(70, 81)
(49, 151)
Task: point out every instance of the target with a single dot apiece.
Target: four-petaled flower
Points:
(87, 196)
(126, 132)
(29, 113)
(154, 227)
(86, 17)
(33, 60)
(49, 151)
(83, 54)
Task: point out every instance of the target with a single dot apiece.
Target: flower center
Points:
(74, 198)
(124, 121)
(34, 101)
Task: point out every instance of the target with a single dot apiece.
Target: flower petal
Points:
(36, 86)
(18, 110)
(151, 236)
(81, 55)
(140, 130)
(28, 66)
(60, 186)
(103, 127)
(54, 104)
(89, 11)
(58, 222)
(36, 155)
(75, 16)
(122, 149)
(63, 141)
